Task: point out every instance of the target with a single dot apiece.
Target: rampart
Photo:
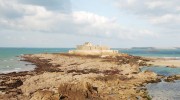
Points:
(89, 49)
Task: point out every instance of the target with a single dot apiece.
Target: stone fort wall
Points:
(82, 47)
(89, 49)
(94, 52)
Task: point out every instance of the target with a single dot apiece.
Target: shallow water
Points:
(164, 90)
(166, 71)
(14, 64)
(10, 62)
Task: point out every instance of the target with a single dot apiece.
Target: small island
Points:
(89, 49)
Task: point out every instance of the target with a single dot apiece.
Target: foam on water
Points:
(7, 66)
(15, 66)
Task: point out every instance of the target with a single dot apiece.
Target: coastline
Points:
(96, 77)
(168, 62)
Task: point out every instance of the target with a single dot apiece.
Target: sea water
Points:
(10, 58)
(162, 70)
(153, 52)
(164, 90)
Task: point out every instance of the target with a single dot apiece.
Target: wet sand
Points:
(165, 62)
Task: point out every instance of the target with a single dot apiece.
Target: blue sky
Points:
(66, 23)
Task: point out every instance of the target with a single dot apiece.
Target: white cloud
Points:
(166, 19)
(149, 7)
(39, 19)
(162, 14)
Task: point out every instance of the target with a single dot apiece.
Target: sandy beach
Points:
(164, 62)
(73, 77)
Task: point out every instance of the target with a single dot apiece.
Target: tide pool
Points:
(164, 90)
(165, 71)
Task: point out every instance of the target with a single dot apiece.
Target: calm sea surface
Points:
(153, 52)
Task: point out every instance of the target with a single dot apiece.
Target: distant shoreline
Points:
(164, 61)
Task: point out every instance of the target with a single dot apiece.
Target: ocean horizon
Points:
(10, 56)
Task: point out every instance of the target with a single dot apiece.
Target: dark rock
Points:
(172, 78)
(15, 84)
(153, 81)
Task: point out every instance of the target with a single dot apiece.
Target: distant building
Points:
(89, 46)
(89, 49)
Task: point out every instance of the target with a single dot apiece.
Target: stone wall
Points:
(88, 49)
(94, 52)
(84, 47)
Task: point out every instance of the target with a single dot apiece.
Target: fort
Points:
(89, 49)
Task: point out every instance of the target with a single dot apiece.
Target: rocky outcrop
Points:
(172, 78)
(45, 95)
(76, 77)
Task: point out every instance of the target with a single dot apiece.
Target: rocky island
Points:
(106, 75)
